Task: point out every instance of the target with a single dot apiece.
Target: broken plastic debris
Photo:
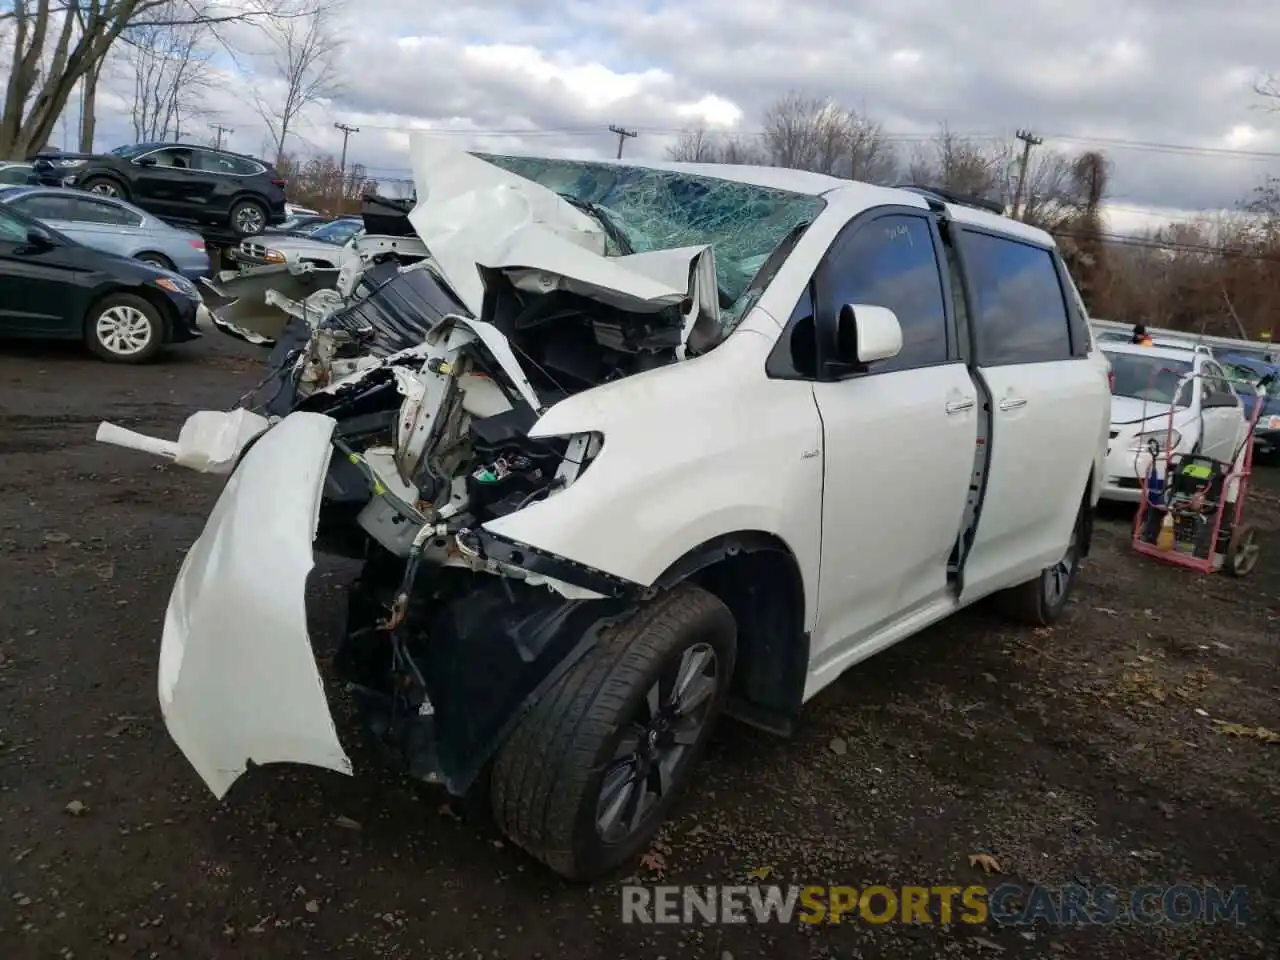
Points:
(210, 441)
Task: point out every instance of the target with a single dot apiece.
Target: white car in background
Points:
(1208, 416)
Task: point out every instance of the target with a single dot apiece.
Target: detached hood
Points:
(472, 214)
(1126, 410)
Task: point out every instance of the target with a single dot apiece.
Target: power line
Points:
(219, 130)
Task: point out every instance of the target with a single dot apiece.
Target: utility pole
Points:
(347, 131)
(1029, 140)
(219, 130)
(623, 136)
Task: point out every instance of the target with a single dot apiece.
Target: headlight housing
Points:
(1142, 442)
(67, 164)
(274, 256)
(179, 285)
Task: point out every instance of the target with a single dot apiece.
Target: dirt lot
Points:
(1088, 753)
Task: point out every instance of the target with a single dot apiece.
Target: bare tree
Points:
(695, 146)
(76, 36)
(302, 65)
(169, 64)
(809, 133)
(702, 146)
(955, 163)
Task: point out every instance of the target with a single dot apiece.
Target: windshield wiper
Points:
(611, 228)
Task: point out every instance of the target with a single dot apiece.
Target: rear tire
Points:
(106, 187)
(1242, 551)
(156, 260)
(124, 328)
(247, 217)
(592, 769)
(1042, 601)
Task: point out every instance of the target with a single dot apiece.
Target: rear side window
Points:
(84, 210)
(15, 175)
(227, 164)
(1021, 313)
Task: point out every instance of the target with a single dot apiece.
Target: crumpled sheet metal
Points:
(471, 213)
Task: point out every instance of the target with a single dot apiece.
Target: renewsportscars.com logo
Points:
(1009, 904)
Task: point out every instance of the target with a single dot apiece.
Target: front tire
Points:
(593, 768)
(1042, 601)
(124, 328)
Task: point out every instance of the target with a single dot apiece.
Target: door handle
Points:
(958, 406)
(1012, 403)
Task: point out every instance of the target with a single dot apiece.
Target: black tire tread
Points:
(1025, 603)
(542, 772)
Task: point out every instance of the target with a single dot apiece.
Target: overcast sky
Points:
(1151, 71)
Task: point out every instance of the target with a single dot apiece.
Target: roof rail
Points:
(960, 199)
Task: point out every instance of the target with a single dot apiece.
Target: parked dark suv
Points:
(176, 180)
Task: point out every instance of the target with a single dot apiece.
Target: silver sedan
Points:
(114, 226)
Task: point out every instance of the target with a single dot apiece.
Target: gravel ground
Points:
(1086, 753)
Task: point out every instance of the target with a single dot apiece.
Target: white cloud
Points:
(553, 78)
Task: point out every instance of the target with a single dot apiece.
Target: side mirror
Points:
(1219, 400)
(867, 333)
(39, 238)
(146, 161)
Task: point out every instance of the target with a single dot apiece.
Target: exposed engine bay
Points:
(448, 332)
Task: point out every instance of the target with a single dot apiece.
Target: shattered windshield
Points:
(664, 210)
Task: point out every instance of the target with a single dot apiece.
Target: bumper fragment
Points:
(238, 680)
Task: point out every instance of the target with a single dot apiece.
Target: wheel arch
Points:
(145, 251)
(758, 577)
(107, 173)
(246, 194)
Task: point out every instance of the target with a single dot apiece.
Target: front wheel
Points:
(124, 328)
(593, 768)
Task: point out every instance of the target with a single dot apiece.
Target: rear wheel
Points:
(156, 260)
(105, 187)
(1242, 551)
(124, 328)
(594, 767)
(1042, 601)
(248, 217)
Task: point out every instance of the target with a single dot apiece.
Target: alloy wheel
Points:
(105, 188)
(124, 330)
(249, 220)
(670, 722)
